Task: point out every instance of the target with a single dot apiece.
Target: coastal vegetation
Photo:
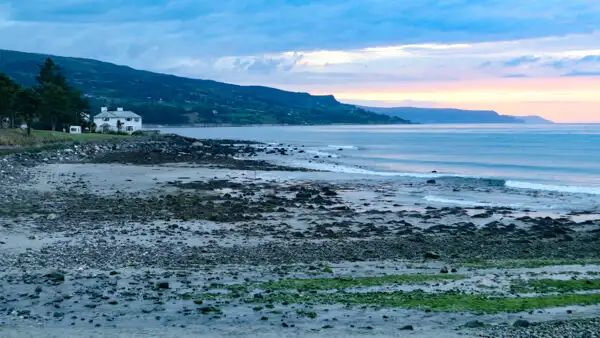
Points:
(173, 100)
(50, 103)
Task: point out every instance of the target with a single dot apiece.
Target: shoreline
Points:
(173, 231)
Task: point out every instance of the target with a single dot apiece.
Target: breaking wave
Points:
(557, 188)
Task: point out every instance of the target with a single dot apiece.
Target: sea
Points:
(555, 158)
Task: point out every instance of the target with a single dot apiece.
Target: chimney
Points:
(103, 109)
(120, 109)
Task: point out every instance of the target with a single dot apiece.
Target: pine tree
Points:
(27, 103)
(8, 90)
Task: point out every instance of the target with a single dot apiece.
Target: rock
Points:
(474, 324)
(444, 270)
(58, 314)
(431, 182)
(453, 270)
(162, 285)
(55, 276)
(407, 328)
(432, 255)
(521, 323)
(52, 216)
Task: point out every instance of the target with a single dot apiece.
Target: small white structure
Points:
(75, 130)
(108, 121)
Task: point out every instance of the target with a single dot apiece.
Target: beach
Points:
(175, 236)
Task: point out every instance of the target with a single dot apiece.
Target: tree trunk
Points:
(28, 128)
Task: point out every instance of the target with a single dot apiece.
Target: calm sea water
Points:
(549, 157)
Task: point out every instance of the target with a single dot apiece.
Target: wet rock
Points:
(162, 285)
(407, 328)
(55, 276)
(431, 181)
(444, 270)
(521, 323)
(474, 324)
(432, 255)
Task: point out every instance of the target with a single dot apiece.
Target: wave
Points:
(321, 153)
(331, 167)
(557, 188)
(343, 147)
(468, 203)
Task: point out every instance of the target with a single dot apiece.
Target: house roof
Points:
(117, 114)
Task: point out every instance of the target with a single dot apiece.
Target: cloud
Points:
(521, 60)
(577, 73)
(322, 46)
(241, 27)
(590, 59)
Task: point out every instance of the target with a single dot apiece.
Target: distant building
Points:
(108, 121)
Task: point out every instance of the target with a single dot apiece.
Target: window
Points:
(137, 119)
(106, 119)
(128, 119)
(129, 128)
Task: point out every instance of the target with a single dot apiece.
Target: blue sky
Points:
(360, 50)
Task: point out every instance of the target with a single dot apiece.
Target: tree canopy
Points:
(51, 103)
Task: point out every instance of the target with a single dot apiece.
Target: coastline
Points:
(173, 231)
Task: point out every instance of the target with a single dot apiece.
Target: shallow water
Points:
(547, 157)
(548, 167)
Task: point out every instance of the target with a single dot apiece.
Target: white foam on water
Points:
(459, 202)
(331, 167)
(321, 153)
(557, 188)
(342, 147)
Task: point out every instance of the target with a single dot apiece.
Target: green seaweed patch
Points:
(527, 263)
(439, 302)
(554, 285)
(341, 283)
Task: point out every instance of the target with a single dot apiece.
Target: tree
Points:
(62, 105)
(54, 105)
(8, 90)
(119, 125)
(27, 104)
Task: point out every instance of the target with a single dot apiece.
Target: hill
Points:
(446, 115)
(169, 99)
(533, 119)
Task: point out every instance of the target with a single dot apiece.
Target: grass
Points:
(553, 285)
(341, 283)
(528, 263)
(438, 302)
(19, 138)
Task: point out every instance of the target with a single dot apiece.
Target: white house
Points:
(109, 120)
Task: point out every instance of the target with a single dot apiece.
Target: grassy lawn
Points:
(19, 138)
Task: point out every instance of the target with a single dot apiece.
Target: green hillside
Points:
(168, 99)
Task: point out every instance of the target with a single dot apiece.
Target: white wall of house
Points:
(129, 124)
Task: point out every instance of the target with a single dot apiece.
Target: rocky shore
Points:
(167, 231)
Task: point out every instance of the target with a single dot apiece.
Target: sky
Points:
(533, 57)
